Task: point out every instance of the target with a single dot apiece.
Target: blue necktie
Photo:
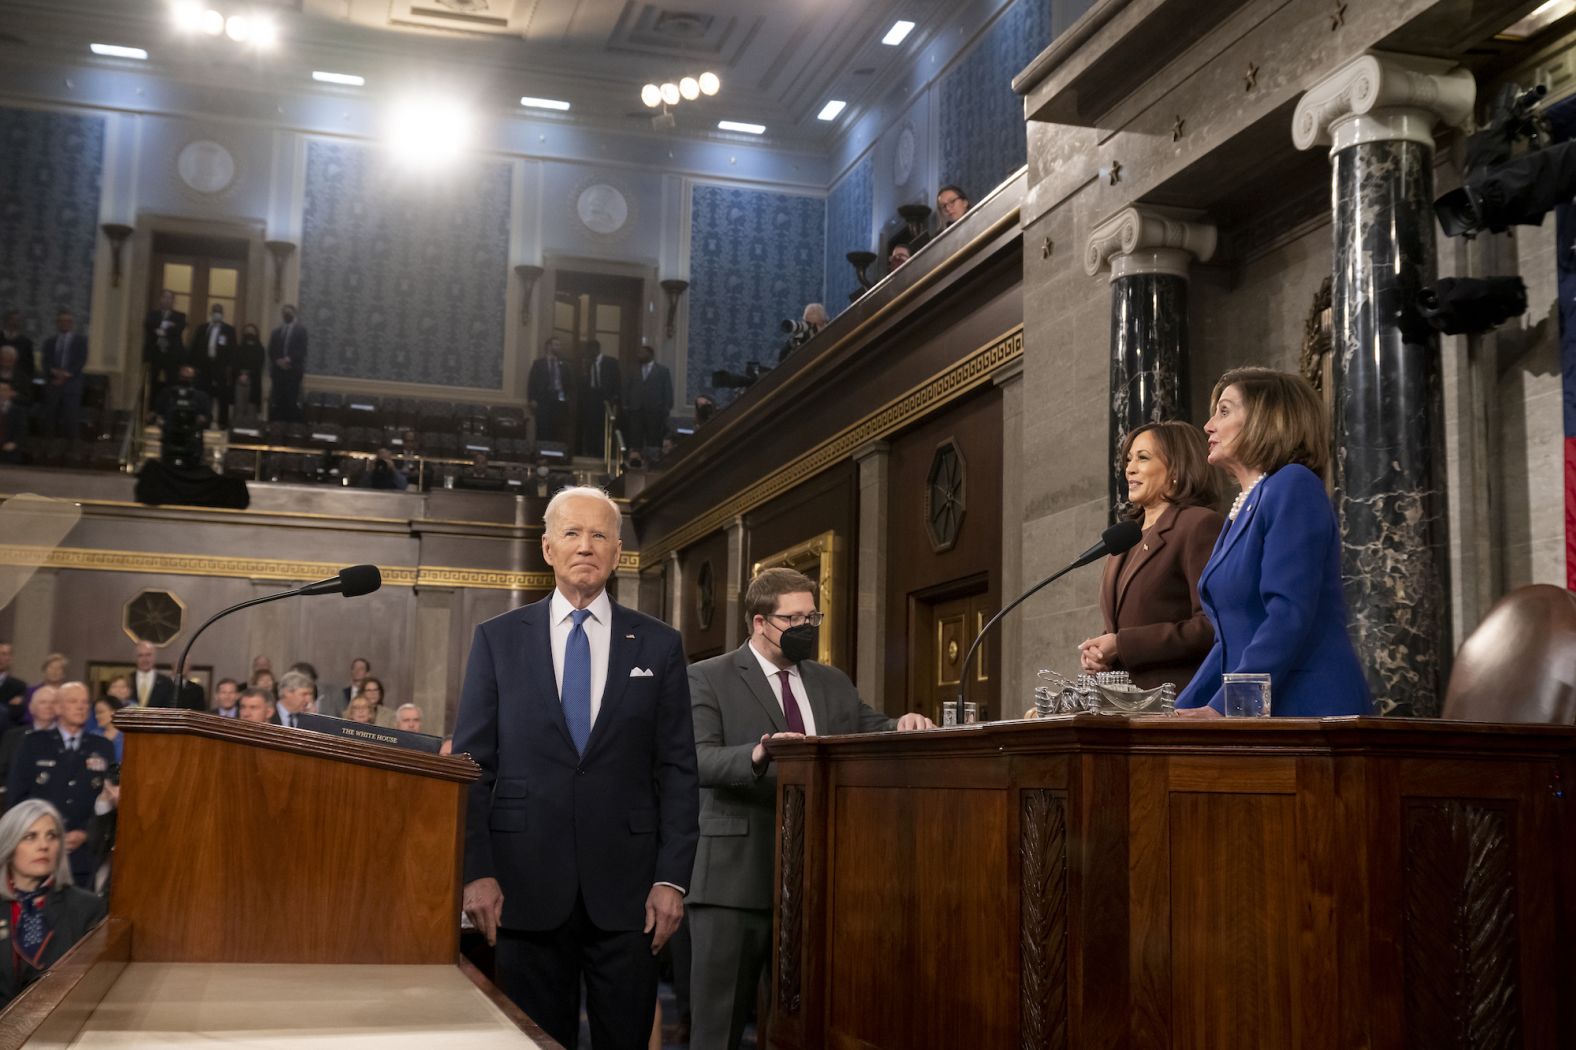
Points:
(577, 681)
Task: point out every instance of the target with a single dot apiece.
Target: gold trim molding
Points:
(973, 371)
(819, 553)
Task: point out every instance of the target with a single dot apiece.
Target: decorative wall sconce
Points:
(280, 250)
(528, 275)
(861, 261)
(117, 233)
(675, 289)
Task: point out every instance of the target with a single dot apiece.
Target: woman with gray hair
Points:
(43, 914)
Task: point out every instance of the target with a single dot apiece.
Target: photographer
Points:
(382, 473)
(802, 331)
(184, 413)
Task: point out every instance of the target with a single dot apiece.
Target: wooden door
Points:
(943, 623)
(203, 272)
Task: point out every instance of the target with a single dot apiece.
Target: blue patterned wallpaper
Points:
(404, 279)
(756, 258)
(982, 130)
(51, 173)
(848, 229)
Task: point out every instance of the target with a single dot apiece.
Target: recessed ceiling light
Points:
(898, 33)
(338, 78)
(238, 28)
(689, 87)
(117, 51)
(748, 129)
(543, 103)
(831, 110)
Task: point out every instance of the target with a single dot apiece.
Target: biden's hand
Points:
(664, 910)
(483, 902)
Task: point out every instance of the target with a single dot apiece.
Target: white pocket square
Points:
(641, 672)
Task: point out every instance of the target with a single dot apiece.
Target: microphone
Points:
(1122, 536)
(352, 582)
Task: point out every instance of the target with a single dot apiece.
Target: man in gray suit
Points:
(768, 689)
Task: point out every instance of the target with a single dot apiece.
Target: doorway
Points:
(203, 272)
(604, 308)
(943, 623)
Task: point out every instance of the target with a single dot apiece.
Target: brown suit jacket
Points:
(1161, 631)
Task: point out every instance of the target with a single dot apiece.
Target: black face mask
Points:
(799, 643)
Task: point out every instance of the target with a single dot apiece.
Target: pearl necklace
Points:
(1236, 504)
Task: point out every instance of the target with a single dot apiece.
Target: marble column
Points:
(733, 596)
(1147, 255)
(675, 591)
(1015, 693)
(1377, 115)
(870, 604)
(431, 689)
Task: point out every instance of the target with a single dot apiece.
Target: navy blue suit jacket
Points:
(1272, 588)
(72, 357)
(546, 822)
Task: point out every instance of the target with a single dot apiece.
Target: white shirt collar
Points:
(770, 669)
(601, 608)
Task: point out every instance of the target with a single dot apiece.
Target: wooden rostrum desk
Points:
(1106, 882)
(275, 887)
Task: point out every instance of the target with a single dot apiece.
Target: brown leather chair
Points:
(1520, 663)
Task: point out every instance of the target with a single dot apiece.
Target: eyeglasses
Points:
(948, 201)
(799, 619)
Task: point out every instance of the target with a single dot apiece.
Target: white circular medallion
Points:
(206, 166)
(602, 208)
(903, 153)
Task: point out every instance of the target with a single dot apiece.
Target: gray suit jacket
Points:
(733, 704)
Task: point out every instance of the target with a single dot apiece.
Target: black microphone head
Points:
(1122, 536)
(364, 579)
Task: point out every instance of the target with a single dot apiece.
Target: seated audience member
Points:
(43, 707)
(359, 709)
(408, 718)
(296, 695)
(13, 691)
(302, 667)
(13, 424)
(262, 663)
(372, 689)
(256, 705)
(104, 714)
(381, 472)
(360, 667)
(263, 679)
(226, 697)
(951, 202)
(66, 766)
(54, 670)
(119, 690)
(47, 914)
(899, 255)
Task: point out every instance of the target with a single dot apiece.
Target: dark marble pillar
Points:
(1149, 380)
(1388, 414)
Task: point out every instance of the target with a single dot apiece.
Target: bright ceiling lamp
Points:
(544, 103)
(651, 96)
(748, 129)
(831, 110)
(689, 87)
(670, 93)
(118, 51)
(898, 33)
(348, 79)
(429, 132)
(188, 16)
(212, 22)
(709, 84)
(238, 28)
(265, 34)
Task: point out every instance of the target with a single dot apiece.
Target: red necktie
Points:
(791, 706)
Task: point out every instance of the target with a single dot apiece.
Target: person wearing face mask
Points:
(212, 346)
(244, 381)
(286, 367)
(648, 400)
(770, 688)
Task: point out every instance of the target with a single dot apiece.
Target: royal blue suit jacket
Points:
(550, 824)
(1272, 588)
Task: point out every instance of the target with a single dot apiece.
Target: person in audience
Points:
(897, 257)
(730, 899)
(408, 718)
(244, 380)
(13, 425)
(151, 688)
(372, 689)
(1155, 628)
(211, 353)
(12, 335)
(297, 691)
(262, 663)
(13, 691)
(648, 401)
(43, 707)
(65, 766)
(318, 704)
(813, 320)
(257, 705)
(600, 393)
(381, 472)
(184, 390)
(263, 679)
(360, 667)
(1272, 588)
(287, 351)
(162, 340)
(65, 358)
(226, 698)
(104, 715)
(118, 689)
(53, 670)
(705, 408)
(951, 203)
(548, 388)
(46, 914)
(360, 709)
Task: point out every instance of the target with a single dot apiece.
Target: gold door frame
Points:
(819, 553)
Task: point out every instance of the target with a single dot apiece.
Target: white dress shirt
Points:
(70, 741)
(599, 632)
(795, 682)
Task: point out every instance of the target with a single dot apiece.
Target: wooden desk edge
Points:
(507, 1005)
(58, 1004)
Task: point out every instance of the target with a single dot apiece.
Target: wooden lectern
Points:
(1148, 883)
(241, 845)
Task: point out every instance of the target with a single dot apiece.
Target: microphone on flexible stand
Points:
(1114, 540)
(352, 582)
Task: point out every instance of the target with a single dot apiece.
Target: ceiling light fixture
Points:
(689, 87)
(748, 129)
(670, 93)
(265, 34)
(709, 84)
(831, 110)
(651, 96)
(238, 28)
(348, 79)
(212, 22)
(188, 16)
(429, 132)
(118, 51)
(1540, 19)
(544, 103)
(898, 33)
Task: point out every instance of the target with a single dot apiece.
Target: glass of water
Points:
(1246, 695)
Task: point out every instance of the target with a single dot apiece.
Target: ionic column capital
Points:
(1138, 240)
(1383, 98)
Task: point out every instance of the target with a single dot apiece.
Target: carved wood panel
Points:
(1461, 943)
(790, 937)
(1042, 851)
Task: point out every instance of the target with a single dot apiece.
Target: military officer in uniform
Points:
(65, 766)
